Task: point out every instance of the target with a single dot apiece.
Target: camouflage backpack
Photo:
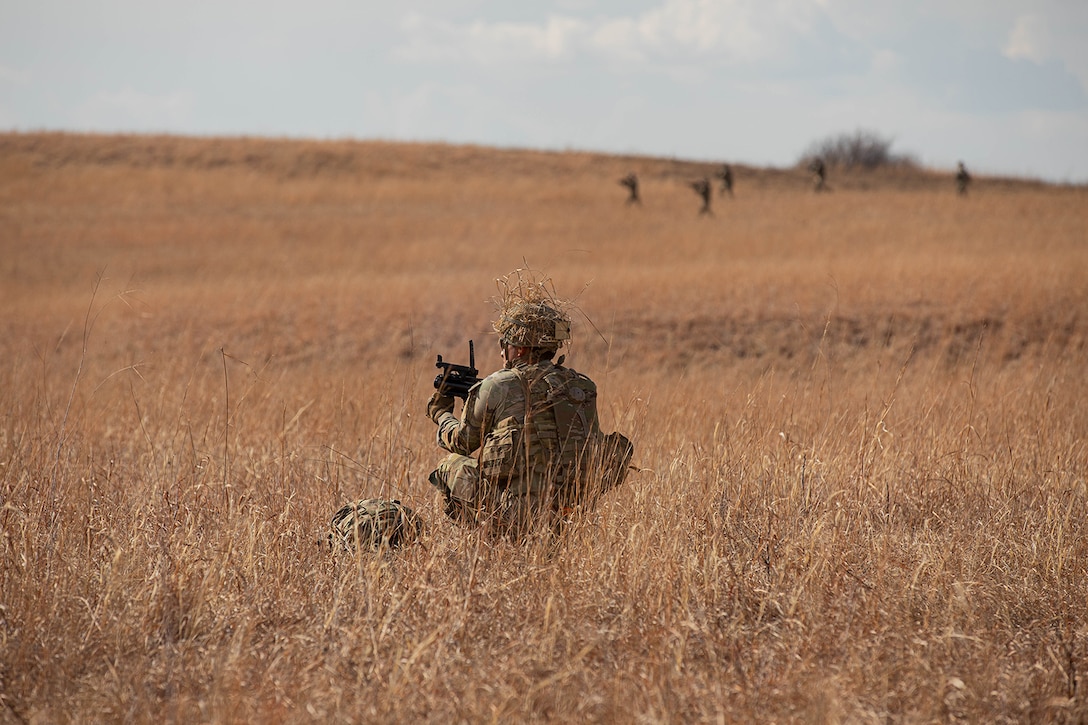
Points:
(374, 522)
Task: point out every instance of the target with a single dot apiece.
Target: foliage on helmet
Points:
(530, 314)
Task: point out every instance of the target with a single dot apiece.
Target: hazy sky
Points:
(1001, 84)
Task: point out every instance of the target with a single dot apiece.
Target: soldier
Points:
(962, 179)
(726, 175)
(631, 182)
(819, 174)
(702, 188)
(527, 448)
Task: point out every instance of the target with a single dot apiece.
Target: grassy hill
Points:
(859, 419)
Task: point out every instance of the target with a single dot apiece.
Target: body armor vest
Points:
(550, 440)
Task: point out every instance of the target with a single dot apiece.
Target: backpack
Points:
(374, 523)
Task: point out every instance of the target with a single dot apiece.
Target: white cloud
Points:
(1028, 40)
(553, 39)
(484, 42)
(1040, 38)
(1039, 31)
(742, 31)
(130, 110)
(683, 28)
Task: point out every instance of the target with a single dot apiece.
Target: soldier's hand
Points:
(438, 405)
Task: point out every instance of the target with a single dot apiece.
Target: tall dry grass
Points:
(860, 422)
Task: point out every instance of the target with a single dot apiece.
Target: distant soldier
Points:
(702, 188)
(631, 182)
(726, 175)
(962, 179)
(819, 174)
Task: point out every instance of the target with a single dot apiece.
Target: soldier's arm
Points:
(465, 435)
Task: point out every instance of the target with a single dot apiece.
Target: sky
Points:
(999, 84)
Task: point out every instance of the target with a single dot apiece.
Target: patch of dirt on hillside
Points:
(797, 341)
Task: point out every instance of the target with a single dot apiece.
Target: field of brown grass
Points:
(860, 422)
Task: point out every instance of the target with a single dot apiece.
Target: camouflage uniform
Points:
(631, 182)
(702, 188)
(521, 447)
(819, 174)
(726, 175)
(962, 178)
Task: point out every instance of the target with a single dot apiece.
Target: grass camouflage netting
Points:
(530, 313)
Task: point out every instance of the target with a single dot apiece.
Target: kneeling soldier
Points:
(527, 448)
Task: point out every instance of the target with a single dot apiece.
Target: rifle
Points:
(457, 379)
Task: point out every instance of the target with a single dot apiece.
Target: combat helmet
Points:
(529, 314)
(374, 523)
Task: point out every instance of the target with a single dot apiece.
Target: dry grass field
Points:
(860, 422)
